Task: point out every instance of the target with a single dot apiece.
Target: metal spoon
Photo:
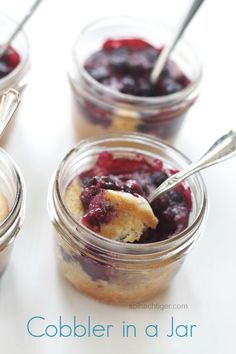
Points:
(9, 103)
(165, 53)
(223, 149)
(30, 12)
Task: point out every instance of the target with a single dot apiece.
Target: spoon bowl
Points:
(222, 149)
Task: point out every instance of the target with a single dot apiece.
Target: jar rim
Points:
(24, 60)
(16, 208)
(116, 246)
(109, 94)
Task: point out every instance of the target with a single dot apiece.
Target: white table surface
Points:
(43, 134)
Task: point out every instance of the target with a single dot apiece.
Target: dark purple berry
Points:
(101, 73)
(96, 270)
(158, 178)
(128, 85)
(170, 86)
(131, 186)
(176, 196)
(119, 59)
(87, 195)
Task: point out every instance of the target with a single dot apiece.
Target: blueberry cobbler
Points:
(124, 66)
(8, 62)
(110, 200)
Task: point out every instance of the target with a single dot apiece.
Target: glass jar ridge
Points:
(13, 189)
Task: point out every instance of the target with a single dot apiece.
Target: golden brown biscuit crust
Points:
(133, 216)
(72, 199)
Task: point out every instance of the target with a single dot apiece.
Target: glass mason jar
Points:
(18, 78)
(12, 206)
(109, 270)
(98, 109)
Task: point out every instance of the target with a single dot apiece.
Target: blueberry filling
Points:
(8, 62)
(136, 176)
(99, 211)
(125, 66)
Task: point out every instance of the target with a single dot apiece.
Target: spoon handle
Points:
(9, 102)
(29, 13)
(223, 149)
(165, 53)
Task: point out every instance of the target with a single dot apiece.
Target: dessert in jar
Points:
(14, 64)
(110, 243)
(111, 64)
(12, 206)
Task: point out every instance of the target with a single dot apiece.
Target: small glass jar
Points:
(18, 78)
(12, 197)
(113, 271)
(99, 110)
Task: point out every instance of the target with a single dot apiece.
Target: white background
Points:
(43, 134)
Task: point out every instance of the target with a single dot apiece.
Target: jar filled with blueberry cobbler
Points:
(111, 243)
(14, 64)
(12, 206)
(110, 78)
